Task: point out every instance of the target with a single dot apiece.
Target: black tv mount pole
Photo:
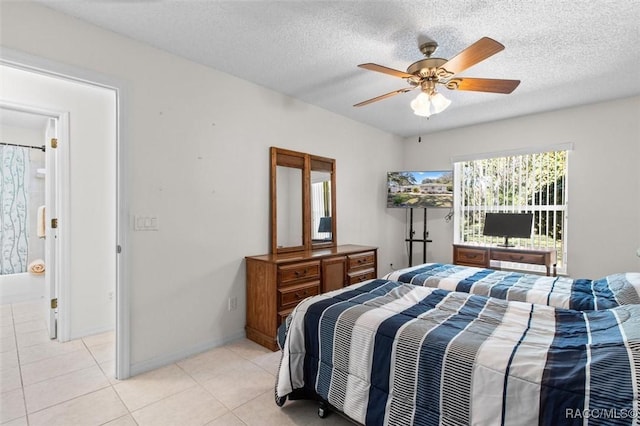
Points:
(424, 240)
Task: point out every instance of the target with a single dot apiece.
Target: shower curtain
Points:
(14, 172)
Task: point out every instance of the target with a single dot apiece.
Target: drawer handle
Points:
(512, 257)
(300, 296)
(362, 278)
(471, 256)
(360, 261)
(298, 274)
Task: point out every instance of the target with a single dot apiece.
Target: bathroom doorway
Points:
(28, 193)
(82, 206)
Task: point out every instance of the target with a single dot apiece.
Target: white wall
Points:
(199, 161)
(603, 182)
(90, 221)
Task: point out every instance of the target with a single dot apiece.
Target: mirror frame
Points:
(306, 162)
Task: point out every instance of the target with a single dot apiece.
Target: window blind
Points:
(533, 182)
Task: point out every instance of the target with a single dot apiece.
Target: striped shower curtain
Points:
(14, 172)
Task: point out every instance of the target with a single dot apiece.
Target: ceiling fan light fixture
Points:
(424, 105)
(439, 102)
(421, 105)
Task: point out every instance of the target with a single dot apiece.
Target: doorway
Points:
(29, 183)
(86, 204)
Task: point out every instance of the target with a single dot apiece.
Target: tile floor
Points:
(43, 382)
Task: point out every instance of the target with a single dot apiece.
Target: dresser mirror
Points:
(322, 197)
(289, 207)
(303, 201)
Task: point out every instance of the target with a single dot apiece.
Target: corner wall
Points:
(603, 181)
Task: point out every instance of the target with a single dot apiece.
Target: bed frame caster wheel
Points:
(280, 400)
(323, 411)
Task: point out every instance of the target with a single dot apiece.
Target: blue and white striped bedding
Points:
(579, 294)
(389, 353)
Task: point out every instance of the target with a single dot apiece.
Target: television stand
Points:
(506, 243)
(481, 256)
(424, 240)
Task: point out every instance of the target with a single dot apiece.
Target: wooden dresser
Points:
(481, 256)
(276, 283)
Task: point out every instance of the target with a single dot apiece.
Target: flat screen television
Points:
(421, 189)
(508, 225)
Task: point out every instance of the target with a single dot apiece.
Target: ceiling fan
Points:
(430, 72)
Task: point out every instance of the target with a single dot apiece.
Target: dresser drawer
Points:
(282, 315)
(298, 272)
(533, 258)
(291, 295)
(362, 260)
(362, 275)
(470, 256)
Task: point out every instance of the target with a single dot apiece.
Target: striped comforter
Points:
(391, 353)
(579, 294)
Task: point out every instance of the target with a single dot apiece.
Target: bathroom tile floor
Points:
(43, 382)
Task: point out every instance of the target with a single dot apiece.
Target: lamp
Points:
(428, 102)
(325, 224)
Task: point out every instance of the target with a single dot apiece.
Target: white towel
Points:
(37, 267)
(41, 222)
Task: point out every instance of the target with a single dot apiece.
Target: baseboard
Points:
(153, 363)
(5, 299)
(23, 287)
(91, 332)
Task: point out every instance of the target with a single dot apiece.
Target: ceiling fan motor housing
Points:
(426, 68)
(428, 48)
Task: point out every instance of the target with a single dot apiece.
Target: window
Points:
(519, 183)
(320, 211)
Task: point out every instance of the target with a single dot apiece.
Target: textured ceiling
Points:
(565, 53)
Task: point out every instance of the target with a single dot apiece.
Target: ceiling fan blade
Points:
(477, 52)
(483, 84)
(381, 97)
(385, 70)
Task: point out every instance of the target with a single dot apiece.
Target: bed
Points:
(390, 353)
(579, 294)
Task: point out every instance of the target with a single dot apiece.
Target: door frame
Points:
(52, 203)
(31, 63)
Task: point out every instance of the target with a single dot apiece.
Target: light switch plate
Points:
(146, 223)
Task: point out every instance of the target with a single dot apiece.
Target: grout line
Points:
(15, 338)
(229, 411)
(112, 385)
(163, 398)
(129, 412)
(121, 417)
(51, 358)
(66, 400)
(20, 364)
